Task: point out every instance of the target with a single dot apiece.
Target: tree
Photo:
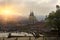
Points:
(53, 20)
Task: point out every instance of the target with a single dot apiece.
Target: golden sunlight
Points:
(6, 13)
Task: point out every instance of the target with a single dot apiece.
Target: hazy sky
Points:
(39, 7)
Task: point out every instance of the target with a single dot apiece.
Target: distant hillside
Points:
(25, 19)
(40, 18)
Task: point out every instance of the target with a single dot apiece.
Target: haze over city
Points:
(24, 7)
(29, 19)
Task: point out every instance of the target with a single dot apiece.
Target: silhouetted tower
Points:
(32, 18)
(57, 6)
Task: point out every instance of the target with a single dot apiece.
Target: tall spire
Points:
(32, 18)
(57, 6)
(31, 14)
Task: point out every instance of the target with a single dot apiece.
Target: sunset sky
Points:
(23, 7)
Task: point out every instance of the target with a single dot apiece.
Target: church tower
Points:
(32, 18)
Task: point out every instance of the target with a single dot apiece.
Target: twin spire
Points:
(32, 18)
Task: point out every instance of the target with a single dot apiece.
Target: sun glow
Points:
(7, 13)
